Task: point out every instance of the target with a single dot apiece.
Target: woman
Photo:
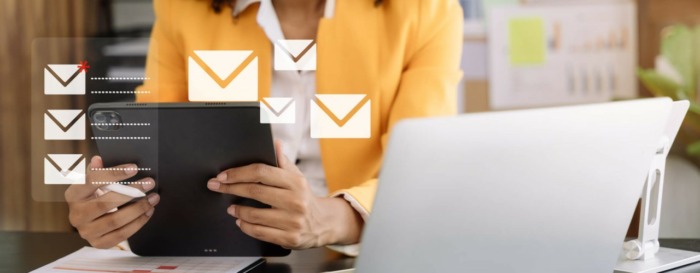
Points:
(402, 54)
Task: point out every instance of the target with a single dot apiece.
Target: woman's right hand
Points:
(91, 215)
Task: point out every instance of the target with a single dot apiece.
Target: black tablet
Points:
(182, 146)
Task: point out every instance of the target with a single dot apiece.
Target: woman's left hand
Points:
(297, 218)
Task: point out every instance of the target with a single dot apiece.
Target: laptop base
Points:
(665, 259)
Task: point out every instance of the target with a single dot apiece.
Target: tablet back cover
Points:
(185, 145)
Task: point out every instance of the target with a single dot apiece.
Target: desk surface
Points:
(26, 251)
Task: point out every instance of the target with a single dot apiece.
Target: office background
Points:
(128, 23)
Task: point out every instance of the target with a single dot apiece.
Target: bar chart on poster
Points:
(547, 55)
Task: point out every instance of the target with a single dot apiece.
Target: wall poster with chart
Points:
(548, 55)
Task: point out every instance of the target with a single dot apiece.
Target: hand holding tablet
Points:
(93, 209)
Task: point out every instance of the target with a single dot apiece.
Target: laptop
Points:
(544, 190)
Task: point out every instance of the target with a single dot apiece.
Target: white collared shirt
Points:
(301, 86)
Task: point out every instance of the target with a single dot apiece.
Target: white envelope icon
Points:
(341, 116)
(277, 110)
(295, 55)
(64, 79)
(223, 75)
(64, 169)
(68, 124)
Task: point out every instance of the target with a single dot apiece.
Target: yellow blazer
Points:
(404, 55)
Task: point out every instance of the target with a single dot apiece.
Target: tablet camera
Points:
(107, 120)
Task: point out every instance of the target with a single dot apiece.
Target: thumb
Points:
(282, 161)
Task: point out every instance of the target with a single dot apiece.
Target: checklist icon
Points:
(65, 124)
(341, 116)
(277, 110)
(64, 79)
(64, 169)
(223, 75)
(295, 55)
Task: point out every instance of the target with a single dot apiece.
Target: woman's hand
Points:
(297, 219)
(91, 215)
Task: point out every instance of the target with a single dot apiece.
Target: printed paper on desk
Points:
(64, 124)
(92, 260)
(341, 116)
(223, 75)
(277, 110)
(64, 79)
(64, 169)
(295, 55)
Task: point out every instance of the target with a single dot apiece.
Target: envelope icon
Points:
(277, 110)
(64, 169)
(223, 75)
(295, 55)
(64, 79)
(341, 116)
(66, 124)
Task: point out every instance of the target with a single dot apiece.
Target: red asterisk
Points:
(84, 66)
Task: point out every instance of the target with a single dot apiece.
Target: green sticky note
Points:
(527, 44)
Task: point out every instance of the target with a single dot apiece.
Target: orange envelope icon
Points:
(341, 116)
(223, 75)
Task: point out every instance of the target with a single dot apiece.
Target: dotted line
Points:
(121, 124)
(121, 137)
(120, 169)
(119, 78)
(120, 92)
(123, 183)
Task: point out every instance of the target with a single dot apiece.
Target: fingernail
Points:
(222, 176)
(213, 185)
(149, 213)
(238, 222)
(154, 199)
(131, 169)
(93, 160)
(232, 210)
(149, 184)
